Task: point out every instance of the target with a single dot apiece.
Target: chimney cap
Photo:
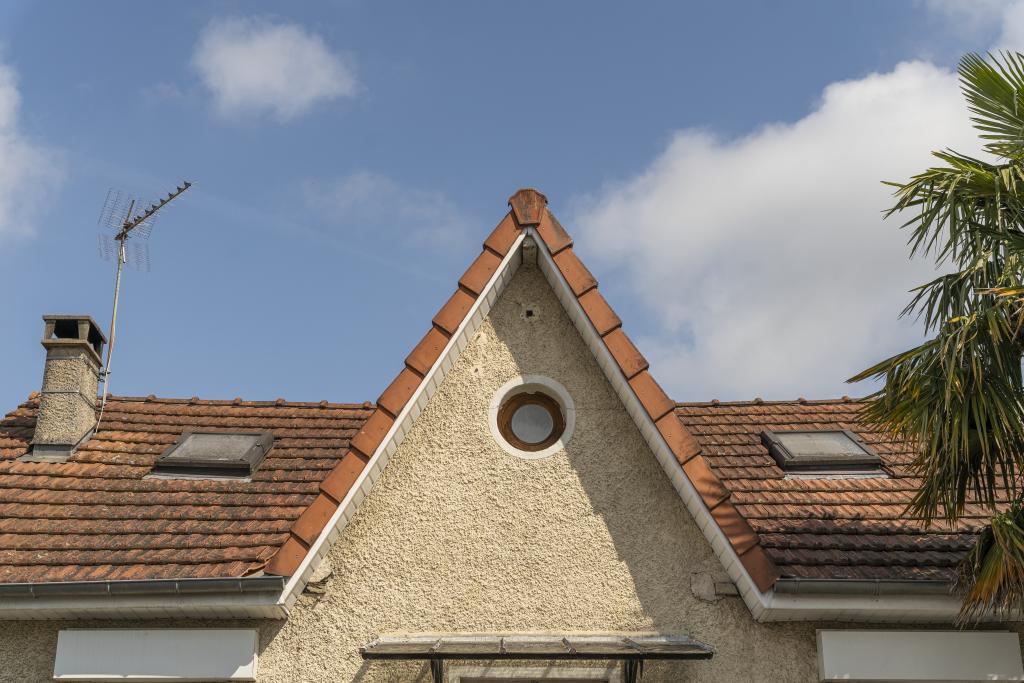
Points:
(73, 330)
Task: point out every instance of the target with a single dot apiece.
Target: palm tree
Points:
(960, 395)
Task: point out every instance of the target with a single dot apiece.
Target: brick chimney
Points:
(67, 401)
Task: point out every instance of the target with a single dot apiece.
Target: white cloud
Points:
(401, 214)
(29, 171)
(967, 17)
(1012, 35)
(765, 260)
(973, 19)
(254, 66)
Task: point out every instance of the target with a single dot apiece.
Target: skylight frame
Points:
(172, 464)
(867, 462)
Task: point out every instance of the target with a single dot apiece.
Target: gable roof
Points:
(762, 526)
(529, 213)
(97, 518)
(839, 528)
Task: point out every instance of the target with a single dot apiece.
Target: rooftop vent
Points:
(825, 451)
(218, 454)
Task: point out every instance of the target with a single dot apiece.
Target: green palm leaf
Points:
(960, 395)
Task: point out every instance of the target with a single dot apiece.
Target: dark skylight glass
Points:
(215, 454)
(827, 450)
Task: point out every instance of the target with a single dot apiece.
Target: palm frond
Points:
(990, 578)
(995, 97)
(960, 395)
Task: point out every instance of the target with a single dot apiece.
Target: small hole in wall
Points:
(530, 312)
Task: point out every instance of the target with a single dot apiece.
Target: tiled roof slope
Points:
(825, 528)
(97, 517)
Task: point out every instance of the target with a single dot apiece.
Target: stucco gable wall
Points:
(458, 535)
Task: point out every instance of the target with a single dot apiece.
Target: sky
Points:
(719, 165)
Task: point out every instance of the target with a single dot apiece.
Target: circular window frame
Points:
(537, 390)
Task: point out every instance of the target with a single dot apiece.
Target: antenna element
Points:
(132, 225)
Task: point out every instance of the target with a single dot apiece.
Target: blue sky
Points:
(716, 163)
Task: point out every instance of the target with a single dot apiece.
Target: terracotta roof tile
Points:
(840, 528)
(576, 274)
(599, 312)
(399, 391)
(554, 235)
(504, 235)
(480, 272)
(98, 517)
(454, 311)
(655, 401)
(625, 354)
(372, 433)
(427, 351)
(314, 518)
(341, 478)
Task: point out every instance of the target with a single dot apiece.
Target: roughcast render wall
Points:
(458, 535)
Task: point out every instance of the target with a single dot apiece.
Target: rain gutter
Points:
(877, 587)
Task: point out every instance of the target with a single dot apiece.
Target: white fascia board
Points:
(413, 407)
(764, 606)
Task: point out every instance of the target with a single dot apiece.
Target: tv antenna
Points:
(127, 245)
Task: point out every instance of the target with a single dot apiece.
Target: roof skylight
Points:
(838, 450)
(214, 454)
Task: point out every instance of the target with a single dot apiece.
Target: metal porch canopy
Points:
(631, 648)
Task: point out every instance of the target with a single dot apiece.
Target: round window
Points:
(532, 417)
(531, 421)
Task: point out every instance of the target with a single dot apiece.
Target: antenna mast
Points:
(132, 221)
